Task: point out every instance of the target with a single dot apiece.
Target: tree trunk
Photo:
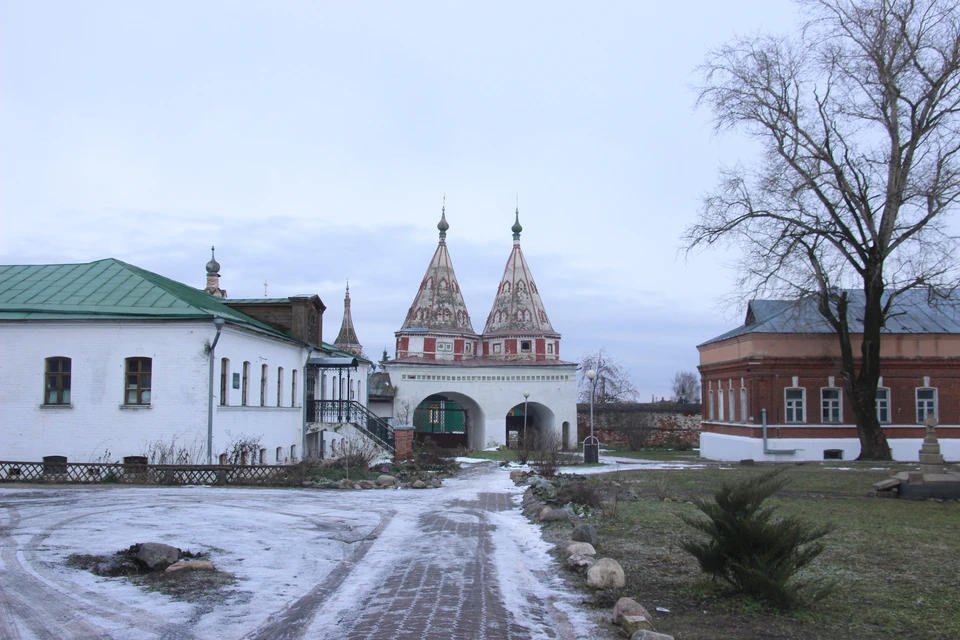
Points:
(862, 388)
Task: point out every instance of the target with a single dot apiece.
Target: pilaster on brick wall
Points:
(403, 443)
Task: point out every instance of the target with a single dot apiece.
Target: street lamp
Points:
(526, 395)
(591, 446)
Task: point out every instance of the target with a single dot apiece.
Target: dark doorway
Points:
(442, 420)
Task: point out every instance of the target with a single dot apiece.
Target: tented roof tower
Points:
(518, 327)
(438, 325)
(347, 338)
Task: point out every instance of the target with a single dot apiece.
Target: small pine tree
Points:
(755, 553)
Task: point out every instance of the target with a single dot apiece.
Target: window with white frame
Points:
(883, 405)
(926, 403)
(245, 389)
(794, 410)
(710, 402)
(720, 401)
(830, 409)
(293, 388)
(743, 405)
(445, 347)
(732, 411)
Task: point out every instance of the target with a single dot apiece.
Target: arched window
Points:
(263, 385)
(57, 385)
(279, 384)
(245, 386)
(293, 454)
(279, 455)
(224, 381)
(293, 388)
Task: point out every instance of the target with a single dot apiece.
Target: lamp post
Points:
(591, 446)
(526, 396)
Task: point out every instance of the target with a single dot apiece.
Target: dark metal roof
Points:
(378, 385)
(913, 312)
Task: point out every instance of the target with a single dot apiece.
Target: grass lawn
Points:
(896, 562)
(668, 455)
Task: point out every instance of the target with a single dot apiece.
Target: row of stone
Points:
(382, 482)
(579, 553)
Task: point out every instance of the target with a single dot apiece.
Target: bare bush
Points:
(355, 453)
(173, 452)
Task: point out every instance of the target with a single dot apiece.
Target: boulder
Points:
(518, 476)
(632, 624)
(580, 562)
(386, 481)
(606, 573)
(646, 634)
(579, 549)
(157, 556)
(584, 533)
(367, 484)
(549, 514)
(628, 607)
(190, 565)
(419, 484)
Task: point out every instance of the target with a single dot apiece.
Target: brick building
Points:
(785, 359)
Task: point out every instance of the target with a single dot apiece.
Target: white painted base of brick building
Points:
(716, 446)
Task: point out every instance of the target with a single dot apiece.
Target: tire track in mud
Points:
(294, 621)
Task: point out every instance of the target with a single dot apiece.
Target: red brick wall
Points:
(403, 441)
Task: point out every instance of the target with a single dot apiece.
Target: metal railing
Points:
(351, 411)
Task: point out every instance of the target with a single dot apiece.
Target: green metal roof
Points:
(108, 289)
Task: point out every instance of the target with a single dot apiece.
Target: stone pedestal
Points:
(931, 460)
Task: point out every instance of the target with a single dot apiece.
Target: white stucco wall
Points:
(716, 446)
(98, 426)
(494, 391)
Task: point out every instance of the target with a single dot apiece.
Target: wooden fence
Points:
(61, 472)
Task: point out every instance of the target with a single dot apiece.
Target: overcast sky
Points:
(313, 142)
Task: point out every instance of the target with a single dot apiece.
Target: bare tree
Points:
(858, 118)
(686, 387)
(612, 381)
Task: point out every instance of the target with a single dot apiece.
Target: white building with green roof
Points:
(104, 360)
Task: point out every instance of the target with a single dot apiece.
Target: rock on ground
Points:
(628, 607)
(606, 573)
(157, 556)
(549, 514)
(632, 624)
(650, 635)
(579, 549)
(584, 533)
(190, 565)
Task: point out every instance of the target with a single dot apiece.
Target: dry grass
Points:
(897, 562)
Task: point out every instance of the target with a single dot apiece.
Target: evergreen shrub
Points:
(751, 549)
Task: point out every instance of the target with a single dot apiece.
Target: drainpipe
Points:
(218, 323)
(303, 405)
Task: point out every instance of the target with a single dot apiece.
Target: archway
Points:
(450, 420)
(539, 424)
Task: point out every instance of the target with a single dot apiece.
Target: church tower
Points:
(518, 327)
(347, 338)
(213, 277)
(438, 326)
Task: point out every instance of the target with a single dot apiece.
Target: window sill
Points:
(135, 407)
(55, 407)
